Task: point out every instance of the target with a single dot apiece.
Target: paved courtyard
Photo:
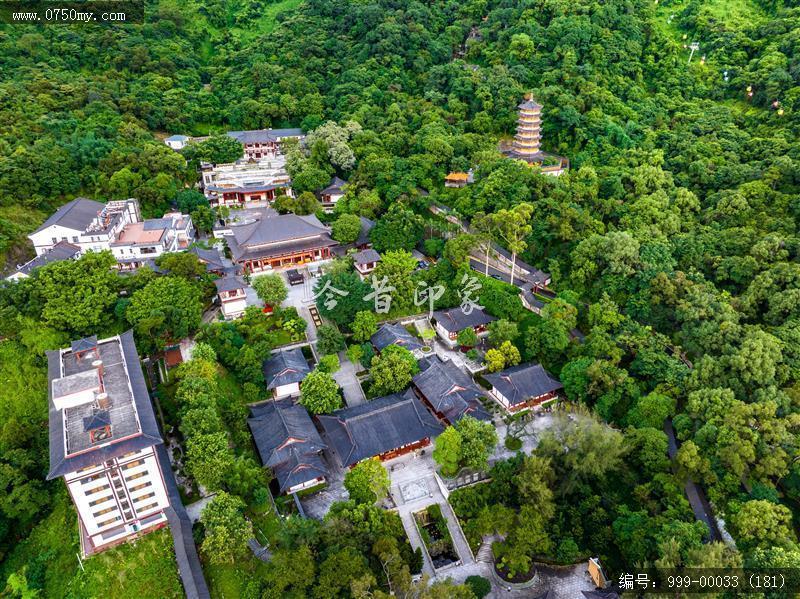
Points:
(318, 504)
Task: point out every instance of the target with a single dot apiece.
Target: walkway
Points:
(348, 381)
(194, 510)
(694, 492)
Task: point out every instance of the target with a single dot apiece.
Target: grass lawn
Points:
(144, 569)
(226, 581)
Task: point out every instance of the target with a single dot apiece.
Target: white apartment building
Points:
(103, 438)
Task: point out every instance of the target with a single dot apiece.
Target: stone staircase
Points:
(485, 552)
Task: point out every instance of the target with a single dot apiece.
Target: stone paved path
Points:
(347, 380)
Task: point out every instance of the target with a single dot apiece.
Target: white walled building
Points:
(88, 224)
(142, 241)
(284, 371)
(526, 386)
(103, 438)
(177, 142)
(332, 194)
(264, 143)
(232, 296)
(449, 323)
(117, 226)
(245, 182)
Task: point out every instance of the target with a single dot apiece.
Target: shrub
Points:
(513, 443)
(479, 586)
(567, 551)
(433, 247)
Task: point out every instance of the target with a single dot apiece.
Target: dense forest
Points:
(673, 241)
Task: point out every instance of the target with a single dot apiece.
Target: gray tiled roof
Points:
(194, 584)
(449, 390)
(378, 426)
(520, 383)
(156, 224)
(254, 136)
(77, 214)
(287, 441)
(454, 319)
(366, 257)
(61, 251)
(229, 283)
(284, 227)
(334, 187)
(366, 227)
(84, 344)
(394, 334)
(210, 258)
(131, 413)
(285, 367)
(277, 235)
(299, 468)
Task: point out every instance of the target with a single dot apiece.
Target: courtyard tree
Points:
(393, 370)
(329, 339)
(364, 325)
(447, 451)
(367, 481)
(270, 289)
(478, 439)
(467, 337)
(167, 309)
(319, 393)
(502, 330)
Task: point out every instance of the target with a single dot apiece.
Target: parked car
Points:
(295, 277)
(422, 265)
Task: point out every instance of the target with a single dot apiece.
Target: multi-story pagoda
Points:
(526, 144)
(526, 141)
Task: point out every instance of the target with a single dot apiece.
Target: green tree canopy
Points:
(319, 393)
(226, 529)
(367, 481)
(270, 289)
